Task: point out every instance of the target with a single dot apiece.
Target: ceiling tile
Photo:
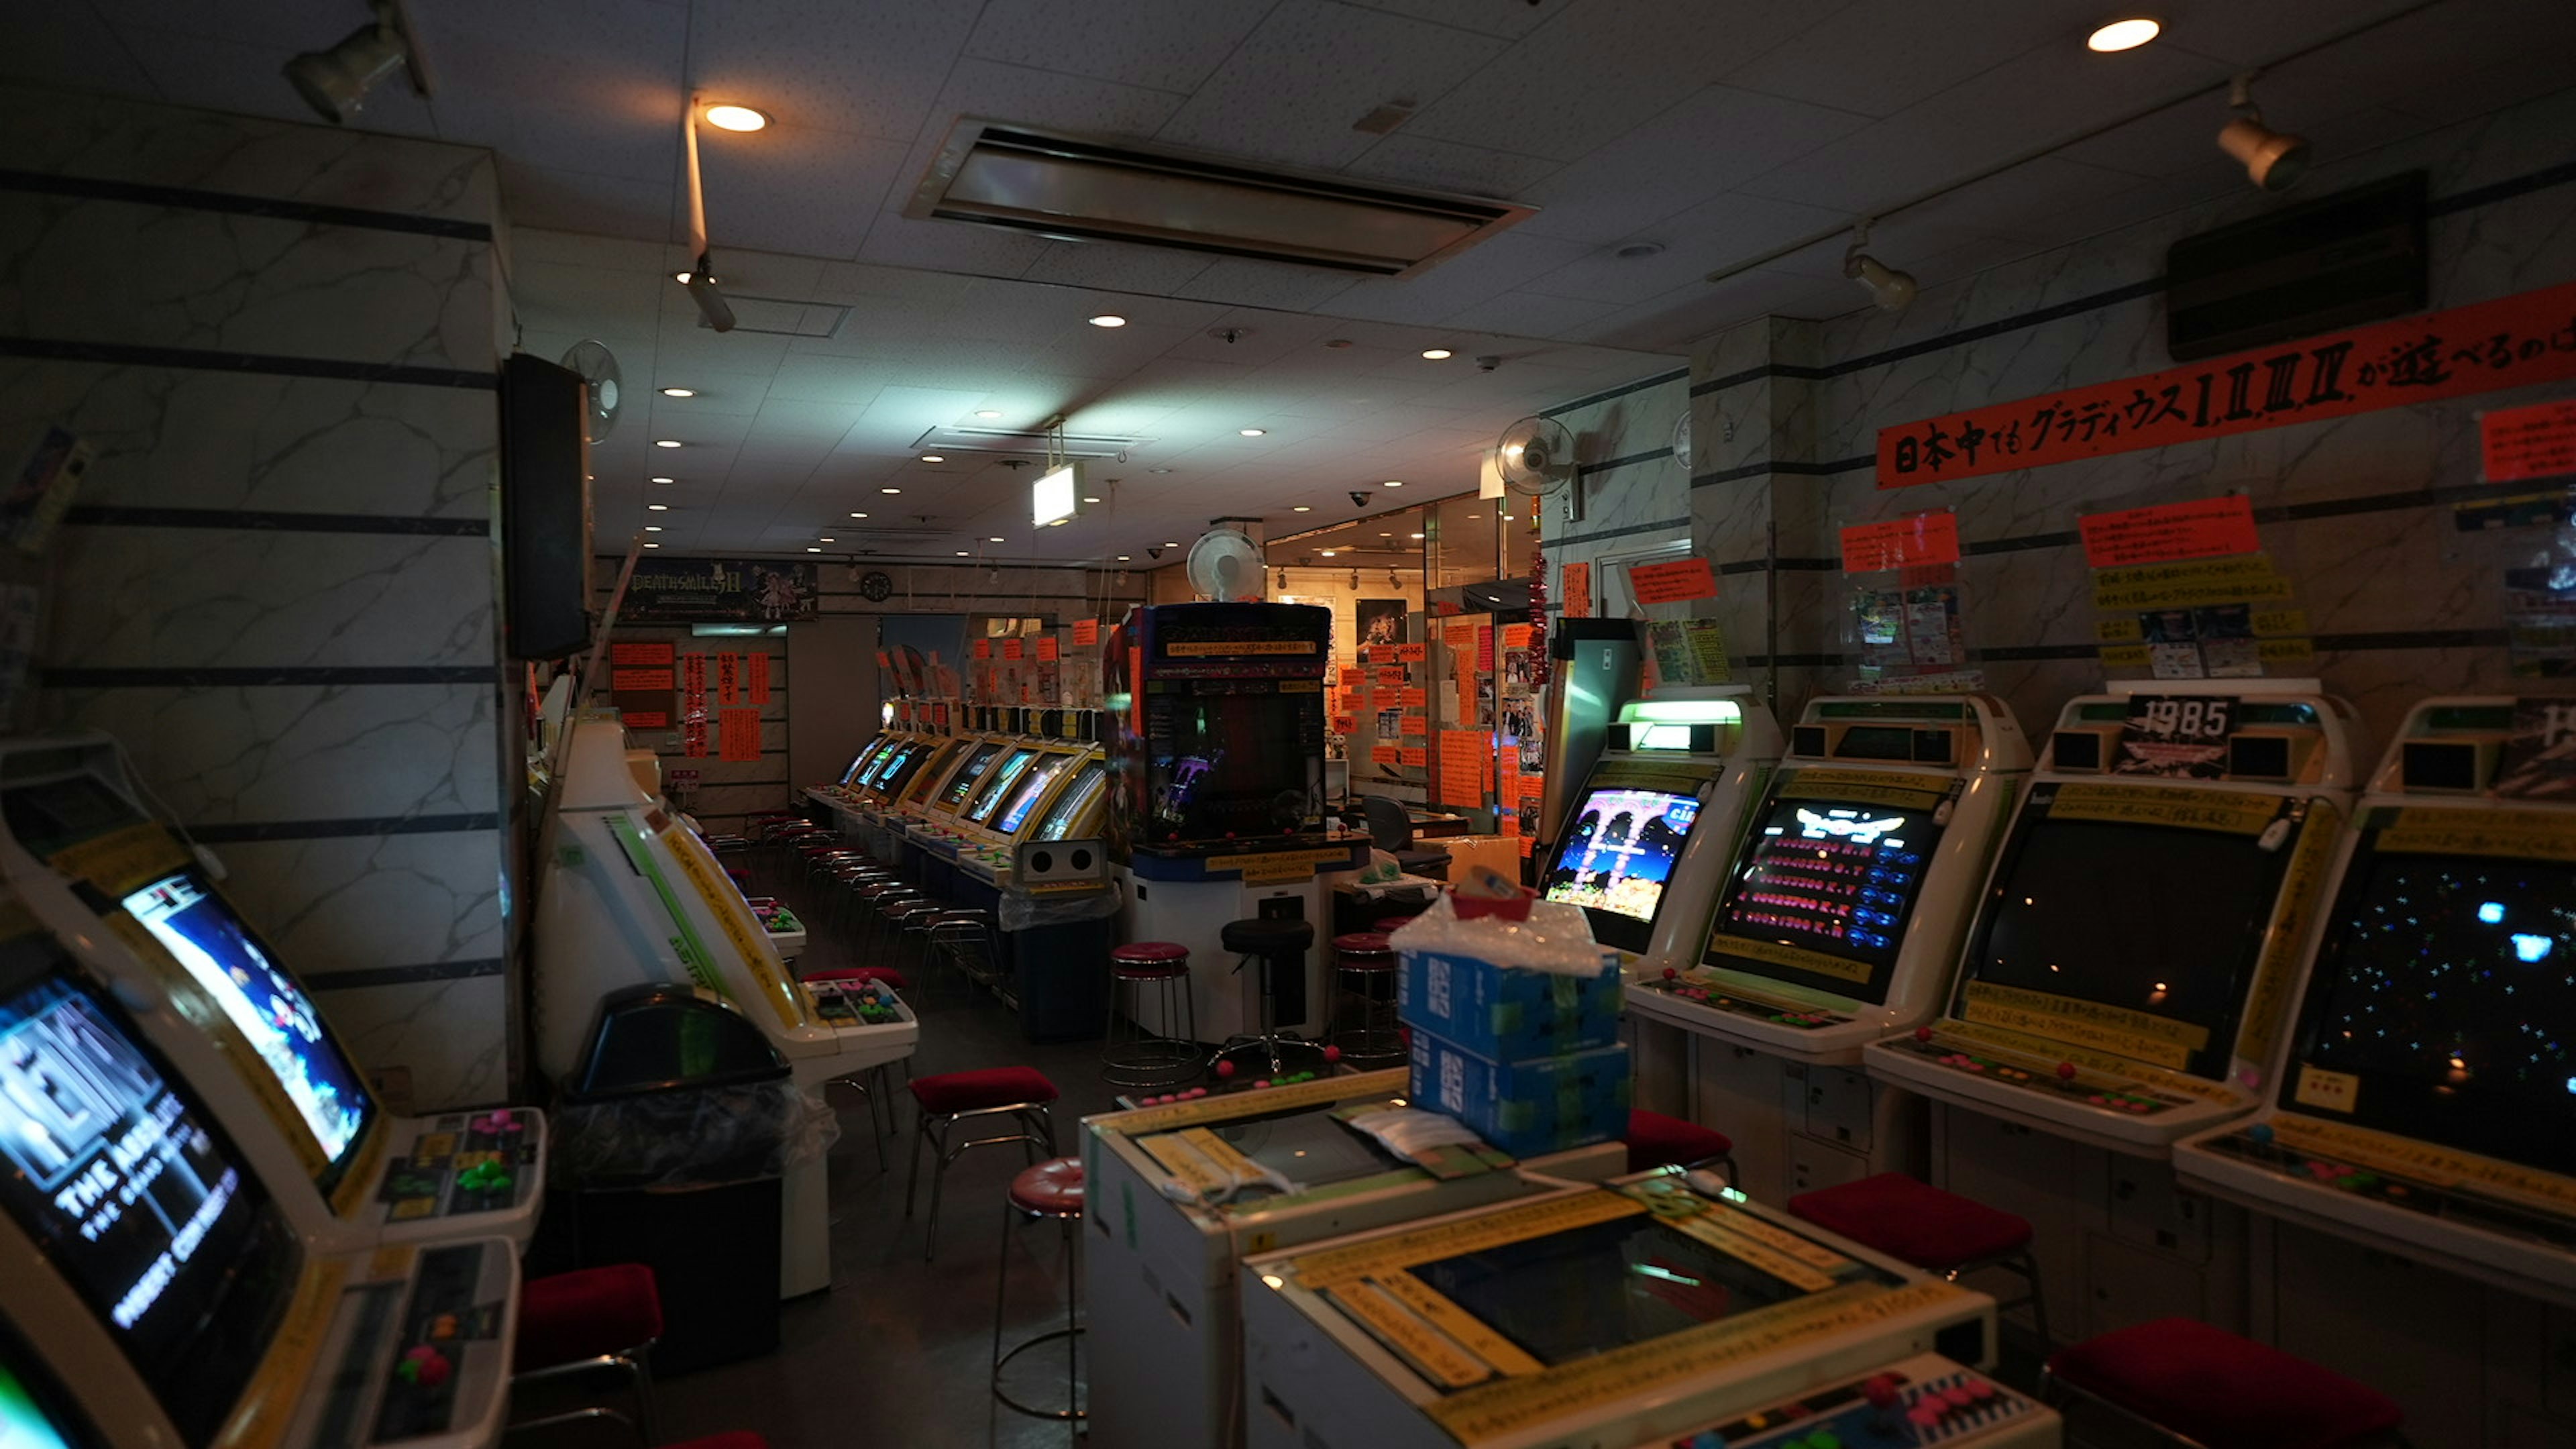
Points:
(221, 74)
(1879, 57)
(868, 66)
(1485, 17)
(542, 198)
(1495, 265)
(1716, 140)
(1116, 266)
(1449, 166)
(798, 190)
(1171, 45)
(1291, 93)
(69, 45)
(1698, 241)
(1267, 284)
(948, 246)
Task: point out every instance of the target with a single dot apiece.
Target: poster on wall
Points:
(1379, 621)
(720, 591)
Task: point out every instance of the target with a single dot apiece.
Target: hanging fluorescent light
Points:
(1891, 289)
(2272, 160)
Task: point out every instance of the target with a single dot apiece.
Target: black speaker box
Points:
(545, 510)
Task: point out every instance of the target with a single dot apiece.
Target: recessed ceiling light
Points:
(889, 490)
(1328, 553)
(680, 277)
(2123, 35)
(1394, 483)
(986, 413)
(996, 538)
(679, 392)
(652, 545)
(735, 118)
(1475, 515)
(652, 528)
(809, 548)
(1436, 354)
(858, 515)
(1171, 545)
(657, 507)
(1413, 535)
(1108, 319)
(1301, 508)
(1122, 558)
(1087, 498)
(666, 442)
(934, 458)
(1386, 535)
(666, 480)
(1158, 470)
(1253, 432)
(961, 553)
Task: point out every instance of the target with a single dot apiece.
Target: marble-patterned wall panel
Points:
(113, 139)
(133, 275)
(176, 438)
(445, 1036)
(218, 754)
(363, 903)
(229, 598)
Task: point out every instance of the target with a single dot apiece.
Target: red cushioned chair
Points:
(2206, 1386)
(591, 1319)
(1050, 1190)
(1938, 1231)
(1167, 1054)
(1655, 1140)
(1018, 1097)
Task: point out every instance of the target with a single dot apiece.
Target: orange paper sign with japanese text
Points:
(759, 678)
(1411, 653)
(1415, 724)
(1048, 652)
(1466, 762)
(1414, 698)
(1673, 581)
(645, 719)
(2201, 528)
(1896, 543)
(2538, 441)
(1013, 649)
(738, 735)
(983, 648)
(1416, 755)
(1386, 754)
(1086, 632)
(1516, 636)
(1577, 584)
(2509, 342)
(639, 680)
(646, 652)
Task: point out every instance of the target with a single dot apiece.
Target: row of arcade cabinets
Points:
(1216, 798)
(1007, 778)
(211, 1230)
(630, 895)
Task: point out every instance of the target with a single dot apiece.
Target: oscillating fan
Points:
(599, 385)
(1682, 440)
(1535, 457)
(1225, 565)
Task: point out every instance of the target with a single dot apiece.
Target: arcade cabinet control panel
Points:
(2453, 1202)
(404, 1355)
(1684, 987)
(464, 1163)
(1921, 1401)
(2066, 1079)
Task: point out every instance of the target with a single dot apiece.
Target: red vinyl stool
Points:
(1655, 1140)
(1052, 1189)
(1941, 1232)
(589, 1319)
(1017, 1097)
(1364, 992)
(1139, 1056)
(2206, 1386)
(1387, 925)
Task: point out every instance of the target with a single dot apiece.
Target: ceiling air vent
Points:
(1034, 442)
(1075, 189)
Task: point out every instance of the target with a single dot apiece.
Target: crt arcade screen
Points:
(1840, 880)
(1619, 854)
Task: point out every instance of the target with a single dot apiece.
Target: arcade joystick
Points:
(1886, 1402)
(425, 1366)
(1332, 1054)
(1225, 1069)
(1922, 1033)
(2261, 1133)
(2066, 1071)
(1671, 975)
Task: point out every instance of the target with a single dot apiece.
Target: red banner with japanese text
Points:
(758, 665)
(2511, 341)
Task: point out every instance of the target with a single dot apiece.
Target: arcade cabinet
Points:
(1216, 772)
(1838, 924)
(140, 912)
(1649, 837)
(1638, 1312)
(2125, 981)
(2420, 1135)
(153, 1291)
(629, 896)
(1280, 1168)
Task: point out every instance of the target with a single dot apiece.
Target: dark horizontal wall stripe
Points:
(1588, 469)
(232, 831)
(184, 677)
(1640, 385)
(191, 199)
(405, 975)
(119, 354)
(108, 516)
(1826, 470)
(2023, 544)
(1729, 475)
(1781, 468)
(2412, 639)
(1627, 532)
(2504, 190)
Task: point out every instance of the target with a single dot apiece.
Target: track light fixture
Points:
(700, 279)
(2272, 161)
(335, 82)
(1891, 289)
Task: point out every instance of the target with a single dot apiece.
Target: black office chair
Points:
(1391, 830)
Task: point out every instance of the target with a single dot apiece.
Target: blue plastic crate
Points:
(1504, 1013)
(1528, 1107)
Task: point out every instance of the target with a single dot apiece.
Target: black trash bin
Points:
(669, 1143)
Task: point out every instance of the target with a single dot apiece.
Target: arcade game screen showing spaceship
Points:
(1621, 851)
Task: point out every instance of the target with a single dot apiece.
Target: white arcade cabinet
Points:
(138, 910)
(2126, 980)
(1838, 924)
(631, 896)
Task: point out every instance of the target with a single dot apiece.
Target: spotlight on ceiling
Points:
(736, 118)
(2272, 161)
(1108, 319)
(934, 458)
(1891, 289)
(1436, 354)
(2121, 35)
(679, 392)
(987, 413)
(335, 82)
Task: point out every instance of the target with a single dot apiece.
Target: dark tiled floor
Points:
(897, 1353)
